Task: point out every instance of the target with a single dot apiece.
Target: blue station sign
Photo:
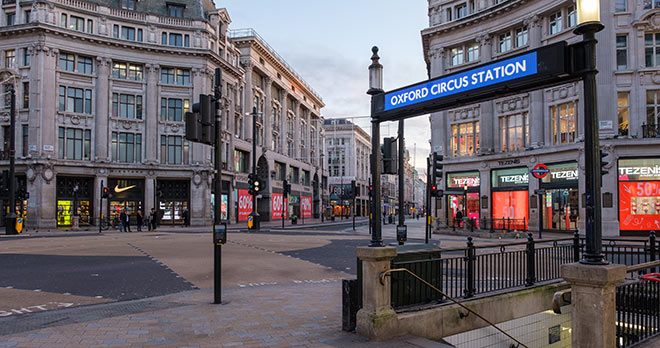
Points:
(526, 71)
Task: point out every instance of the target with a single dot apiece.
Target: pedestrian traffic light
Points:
(603, 163)
(436, 173)
(434, 190)
(389, 151)
(200, 123)
(106, 193)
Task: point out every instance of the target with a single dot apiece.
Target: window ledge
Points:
(512, 51)
(75, 73)
(623, 72)
(465, 65)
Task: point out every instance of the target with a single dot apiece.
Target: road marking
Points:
(37, 308)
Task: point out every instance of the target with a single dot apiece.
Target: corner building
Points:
(489, 148)
(102, 89)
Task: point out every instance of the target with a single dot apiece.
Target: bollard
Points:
(470, 257)
(531, 269)
(576, 246)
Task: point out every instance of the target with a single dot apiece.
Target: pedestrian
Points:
(122, 219)
(150, 219)
(154, 219)
(127, 228)
(185, 217)
(459, 218)
(139, 220)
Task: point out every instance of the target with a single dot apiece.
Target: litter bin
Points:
(294, 220)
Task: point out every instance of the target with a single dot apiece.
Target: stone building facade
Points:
(348, 149)
(490, 147)
(102, 90)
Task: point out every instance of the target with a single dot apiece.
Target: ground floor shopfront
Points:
(500, 190)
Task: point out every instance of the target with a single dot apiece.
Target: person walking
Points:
(152, 219)
(122, 219)
(186, 222)
(127, 228)
(139, 220)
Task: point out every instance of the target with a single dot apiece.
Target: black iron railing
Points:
(476, 270)
(637, 308)
(650, 131)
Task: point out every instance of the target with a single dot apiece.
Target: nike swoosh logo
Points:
(118, 190)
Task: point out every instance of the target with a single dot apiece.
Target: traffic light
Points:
(434, 190)
(200, 123)
(251, 178)
(436, 173)
(603, 163)
(105, 193)
(257, 185)
(353, 193)
(286, 188)
(389, 151)
(4, 182)
(371, 191)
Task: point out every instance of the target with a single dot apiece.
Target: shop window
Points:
(465, 139)
(622, 52)
(639, 194)
(564, 123)
(514, 132)
(622, 112)
(74, 143)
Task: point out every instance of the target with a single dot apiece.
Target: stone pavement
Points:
(304, 314)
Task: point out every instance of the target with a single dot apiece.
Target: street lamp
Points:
(588, 14)
(375, 87)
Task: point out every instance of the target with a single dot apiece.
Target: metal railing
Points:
(650, 131)
(475, 270)
(637, 307)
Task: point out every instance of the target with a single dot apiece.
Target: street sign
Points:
(540, 171)
(250, 221)
(529, 70)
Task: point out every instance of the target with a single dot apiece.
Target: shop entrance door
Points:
(131, 209)
(561, 209)
(173, 212)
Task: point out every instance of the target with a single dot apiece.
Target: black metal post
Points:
(593, 252)
(470, 258)
(541, 201)
(376, 87)
(576, 246)
(428, 201)
(353, 207)
(370, 212)
(652, 248)
(10, 220)
(402, 174)
(254, 214)
(217, 185)
(531, 265)
(321, 189)
(101, 207)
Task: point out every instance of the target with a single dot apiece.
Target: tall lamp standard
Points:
(588, 16)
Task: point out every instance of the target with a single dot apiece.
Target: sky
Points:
(329, 43)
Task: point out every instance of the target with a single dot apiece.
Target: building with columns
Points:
(348, 150)
(490, 147)
(102, 89)
(289, 133)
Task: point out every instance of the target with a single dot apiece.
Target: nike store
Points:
(125, 193)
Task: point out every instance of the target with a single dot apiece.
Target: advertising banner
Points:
(306, 206)
(277, 203)
(639, 205)
(460, 180)
(511, 205)
(244, 205)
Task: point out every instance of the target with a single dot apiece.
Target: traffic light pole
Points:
(10, 220)
(101, 207)
(255, 213)
(217, 188)
(428, 200)
(402, 173)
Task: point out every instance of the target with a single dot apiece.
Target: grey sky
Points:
(329, 44)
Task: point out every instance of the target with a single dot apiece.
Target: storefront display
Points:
(463, 195)
(561, 198)
(74, 193)
(639, 195)
(278, 202)
(306, 206)
(510, 198)
(244, 200)
(126, 194)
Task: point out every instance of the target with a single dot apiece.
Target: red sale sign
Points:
(278, 202)
(244, 205)
(639, 205)
(306, 206)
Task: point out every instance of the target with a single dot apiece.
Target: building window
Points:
(27, 14)
(652, 49)
(90, 26)
(76, 23)
(26, 57)
(163, 40)
(514, 130)
(26, 95)
(564, 124)
(175, 10)
(622, 112)
(172, 149)
(126, 147)
(172, 109)
(521, 36)
(85, 65)
(25, 132)
(461, 11)
(465, 139)
(175, 76)
(571, 17)
(653, 107)
(473, 52)
(294, 175)
(279, 171)
(76, 100)
(505, 42)
(10, 58)
(63, 21)
(649, 4)
(621, 52)
(128, 33)
(555, 23)
(115, 31)
(176, 40)
(67, 62)
(620, 6)
(11, 18)
(127, 106)
(457, 55)
(128, 4)
(74, 143)
(305, 177)
(448, 15)
(241, 163)
(127, 71)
